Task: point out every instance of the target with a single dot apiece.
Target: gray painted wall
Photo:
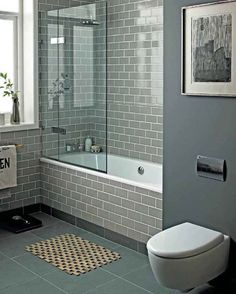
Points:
(195, 125)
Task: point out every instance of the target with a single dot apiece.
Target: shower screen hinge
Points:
(57, 130)
(60, 40)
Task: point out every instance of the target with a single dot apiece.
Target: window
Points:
(18, 19)
(10, 6)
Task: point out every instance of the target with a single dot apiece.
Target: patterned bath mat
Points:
(72, 254)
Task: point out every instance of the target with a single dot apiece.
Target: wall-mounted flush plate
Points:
(212, 168)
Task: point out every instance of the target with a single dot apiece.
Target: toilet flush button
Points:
(212, 168)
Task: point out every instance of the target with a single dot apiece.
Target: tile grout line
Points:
(117, 278)
(10, 259)
(17, 284)
(128, 280)
(54, 268)
(136, 269)
(136, 285)
(99, 286)
(41, 277)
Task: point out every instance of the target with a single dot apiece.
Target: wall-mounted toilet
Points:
(187, 255)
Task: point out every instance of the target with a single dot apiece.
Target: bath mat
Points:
(73, 254)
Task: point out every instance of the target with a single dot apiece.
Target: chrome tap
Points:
(70, 147)
(74, 147)
(79, 146)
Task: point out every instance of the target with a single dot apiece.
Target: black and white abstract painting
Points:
(212, 49)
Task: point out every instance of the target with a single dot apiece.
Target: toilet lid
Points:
(184, 240)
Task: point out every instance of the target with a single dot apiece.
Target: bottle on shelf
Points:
(88, 143)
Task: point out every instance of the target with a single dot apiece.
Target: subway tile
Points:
(140, 227)
(135, 197)
(155, 212)
(141, 208)
(28, 171)
(150, 201)
(77, 213)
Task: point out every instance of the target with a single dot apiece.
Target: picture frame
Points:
(209, 49)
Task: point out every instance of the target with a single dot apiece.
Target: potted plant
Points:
(8, 90)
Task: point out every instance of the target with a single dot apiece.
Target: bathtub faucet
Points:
(79, 147)
(70, 147)
(74, 147)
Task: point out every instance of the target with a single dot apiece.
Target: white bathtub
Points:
(119, 168)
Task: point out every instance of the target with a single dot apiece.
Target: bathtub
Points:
(134, 172)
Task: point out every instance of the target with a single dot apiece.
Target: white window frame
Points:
(26, 63)
(13, 17)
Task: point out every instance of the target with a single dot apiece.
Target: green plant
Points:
(7, 87)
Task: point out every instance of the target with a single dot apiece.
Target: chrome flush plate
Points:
(212, 168)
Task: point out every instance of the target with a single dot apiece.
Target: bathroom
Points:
(106, 144)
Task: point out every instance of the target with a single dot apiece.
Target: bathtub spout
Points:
(79, 147)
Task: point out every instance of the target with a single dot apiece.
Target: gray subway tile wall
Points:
(122, 208)
(27, 191)
(135, 78)
(72, 102)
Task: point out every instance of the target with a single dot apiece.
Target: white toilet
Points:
(186, 256)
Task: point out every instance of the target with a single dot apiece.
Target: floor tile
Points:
(21, 274)
(101, 241)
(15, 245)
(130, 260)
(2, 257)
(37, 286)
(46, 219)
(35, 264)
(81, 284)
(5, 234)
(59, 229)
(144, 278)
(118, 286)
(12, 274)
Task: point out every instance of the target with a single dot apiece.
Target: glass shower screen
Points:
(74, 105)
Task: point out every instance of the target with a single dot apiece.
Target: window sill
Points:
(21, 127)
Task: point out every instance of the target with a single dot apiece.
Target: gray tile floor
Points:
(23, 273)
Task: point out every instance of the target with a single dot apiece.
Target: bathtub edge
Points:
(100, 174)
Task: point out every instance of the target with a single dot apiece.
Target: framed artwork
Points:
(209, 49)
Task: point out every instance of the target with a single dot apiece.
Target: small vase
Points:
(15, 116)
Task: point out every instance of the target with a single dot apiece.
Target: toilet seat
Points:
(187, 256)
(183, 241)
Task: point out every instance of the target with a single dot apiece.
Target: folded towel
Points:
(8, 171)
